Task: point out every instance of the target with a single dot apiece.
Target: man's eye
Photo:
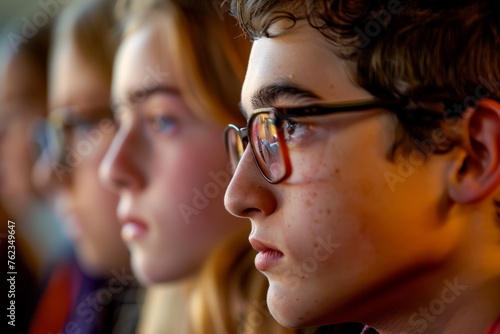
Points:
(163, 124)
(293, 130)
(290, 127)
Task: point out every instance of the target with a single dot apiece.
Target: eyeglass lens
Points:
(265, 141)
(235, 146)
(267, 145)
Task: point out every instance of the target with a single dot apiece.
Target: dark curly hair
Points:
(435, 57)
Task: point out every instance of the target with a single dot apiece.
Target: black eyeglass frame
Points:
(280, 114)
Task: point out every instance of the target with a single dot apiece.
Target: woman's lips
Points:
(266, 258)
(133, 229)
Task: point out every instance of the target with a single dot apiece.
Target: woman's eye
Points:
(84, 125)
(163, 124)
(117, 118)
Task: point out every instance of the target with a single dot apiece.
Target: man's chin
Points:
(285, 307)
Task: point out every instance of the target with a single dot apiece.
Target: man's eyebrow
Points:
(267, 96)
(136, 96)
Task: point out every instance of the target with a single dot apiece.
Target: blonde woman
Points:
(177, 80)
(175, 85)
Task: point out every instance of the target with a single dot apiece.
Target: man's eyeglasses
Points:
(265, 131)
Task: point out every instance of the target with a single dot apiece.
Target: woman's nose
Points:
(125, 164)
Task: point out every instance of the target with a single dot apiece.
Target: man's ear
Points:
(478, 172)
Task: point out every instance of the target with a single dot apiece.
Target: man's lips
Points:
(132, 228)
(267, 256)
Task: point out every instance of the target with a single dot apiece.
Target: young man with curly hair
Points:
(374, 186)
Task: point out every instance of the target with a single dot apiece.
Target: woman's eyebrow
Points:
(136, 96)
(267, 95)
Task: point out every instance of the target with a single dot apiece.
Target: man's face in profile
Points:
(348, 239)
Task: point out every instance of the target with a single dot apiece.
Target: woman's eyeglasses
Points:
(265, 131)
(53, 134)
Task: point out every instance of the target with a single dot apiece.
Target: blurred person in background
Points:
(93, 291)
(23, 101)
(175, 85)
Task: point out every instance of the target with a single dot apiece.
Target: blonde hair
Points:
(164, 309)
(211, 57)
(91, 27)
(211, 54)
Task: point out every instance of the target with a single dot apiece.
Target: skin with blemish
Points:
(358, 211)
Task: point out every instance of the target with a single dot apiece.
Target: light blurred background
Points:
(11, 8)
